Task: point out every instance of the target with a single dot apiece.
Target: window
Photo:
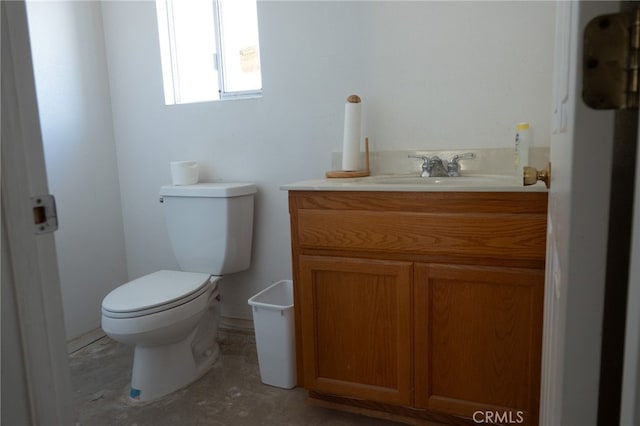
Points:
(209, 49)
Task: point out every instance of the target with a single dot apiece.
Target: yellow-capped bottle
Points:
(522, 142)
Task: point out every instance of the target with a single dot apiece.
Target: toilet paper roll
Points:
(352, 134)
(184, 172)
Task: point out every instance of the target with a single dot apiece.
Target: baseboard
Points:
(236, 324)
(84, 340)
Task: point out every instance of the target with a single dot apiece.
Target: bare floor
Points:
(229, 394)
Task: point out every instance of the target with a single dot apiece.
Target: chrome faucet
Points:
(431, 166)
(436, 167)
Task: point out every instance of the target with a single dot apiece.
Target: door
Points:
(578, 221)
(36, 387)
(478, 335)
(348, 305)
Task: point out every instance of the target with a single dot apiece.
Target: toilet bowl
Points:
(171, 317)
(173, 328)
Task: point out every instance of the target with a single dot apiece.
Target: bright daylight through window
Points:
(209, 49)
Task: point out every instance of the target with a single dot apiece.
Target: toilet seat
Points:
(156, 292)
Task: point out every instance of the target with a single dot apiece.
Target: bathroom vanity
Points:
(420, 302)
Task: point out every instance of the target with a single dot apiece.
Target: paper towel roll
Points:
(352, 134)
(184, 172)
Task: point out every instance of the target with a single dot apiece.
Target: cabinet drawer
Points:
(487, 236)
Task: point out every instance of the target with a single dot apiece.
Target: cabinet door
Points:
(478, 337)
(356, 327)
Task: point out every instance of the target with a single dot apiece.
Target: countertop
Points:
(414, 183)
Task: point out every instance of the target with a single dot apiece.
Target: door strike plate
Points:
(45, 216)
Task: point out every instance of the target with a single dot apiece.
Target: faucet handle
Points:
(420, 157)
(453, 167)
(426, 167)
(465, 156)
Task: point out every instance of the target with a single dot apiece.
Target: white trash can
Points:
(273, 321)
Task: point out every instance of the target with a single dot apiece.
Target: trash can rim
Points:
(253, 302)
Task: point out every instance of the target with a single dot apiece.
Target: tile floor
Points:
(229, 394)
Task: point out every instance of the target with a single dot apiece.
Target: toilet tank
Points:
(210, 225)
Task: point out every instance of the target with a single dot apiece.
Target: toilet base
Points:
(160, 370)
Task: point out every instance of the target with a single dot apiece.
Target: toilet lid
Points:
(155, 290)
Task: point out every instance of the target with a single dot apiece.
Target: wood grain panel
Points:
(498, 236)
(356, 321)
(297, 299)
(478, 334)
(425, 202)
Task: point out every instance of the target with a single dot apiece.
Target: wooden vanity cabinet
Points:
(420, 305)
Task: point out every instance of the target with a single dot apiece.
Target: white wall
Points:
(431, 75)
(75, 113)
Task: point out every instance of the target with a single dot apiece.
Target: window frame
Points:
(169, 45)
(220, 62)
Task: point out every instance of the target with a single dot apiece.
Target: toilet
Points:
(172, 317)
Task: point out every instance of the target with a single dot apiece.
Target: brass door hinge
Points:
(610, 61)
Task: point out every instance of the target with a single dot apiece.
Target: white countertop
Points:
(414, 183)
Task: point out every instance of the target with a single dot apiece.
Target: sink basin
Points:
(468, 181)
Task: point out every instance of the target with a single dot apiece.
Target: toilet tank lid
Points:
(213, 190)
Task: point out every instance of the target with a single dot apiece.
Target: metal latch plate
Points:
(45, 216)
(610, 61)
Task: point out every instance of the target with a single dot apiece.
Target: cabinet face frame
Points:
(372, 287)
(523, 290)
